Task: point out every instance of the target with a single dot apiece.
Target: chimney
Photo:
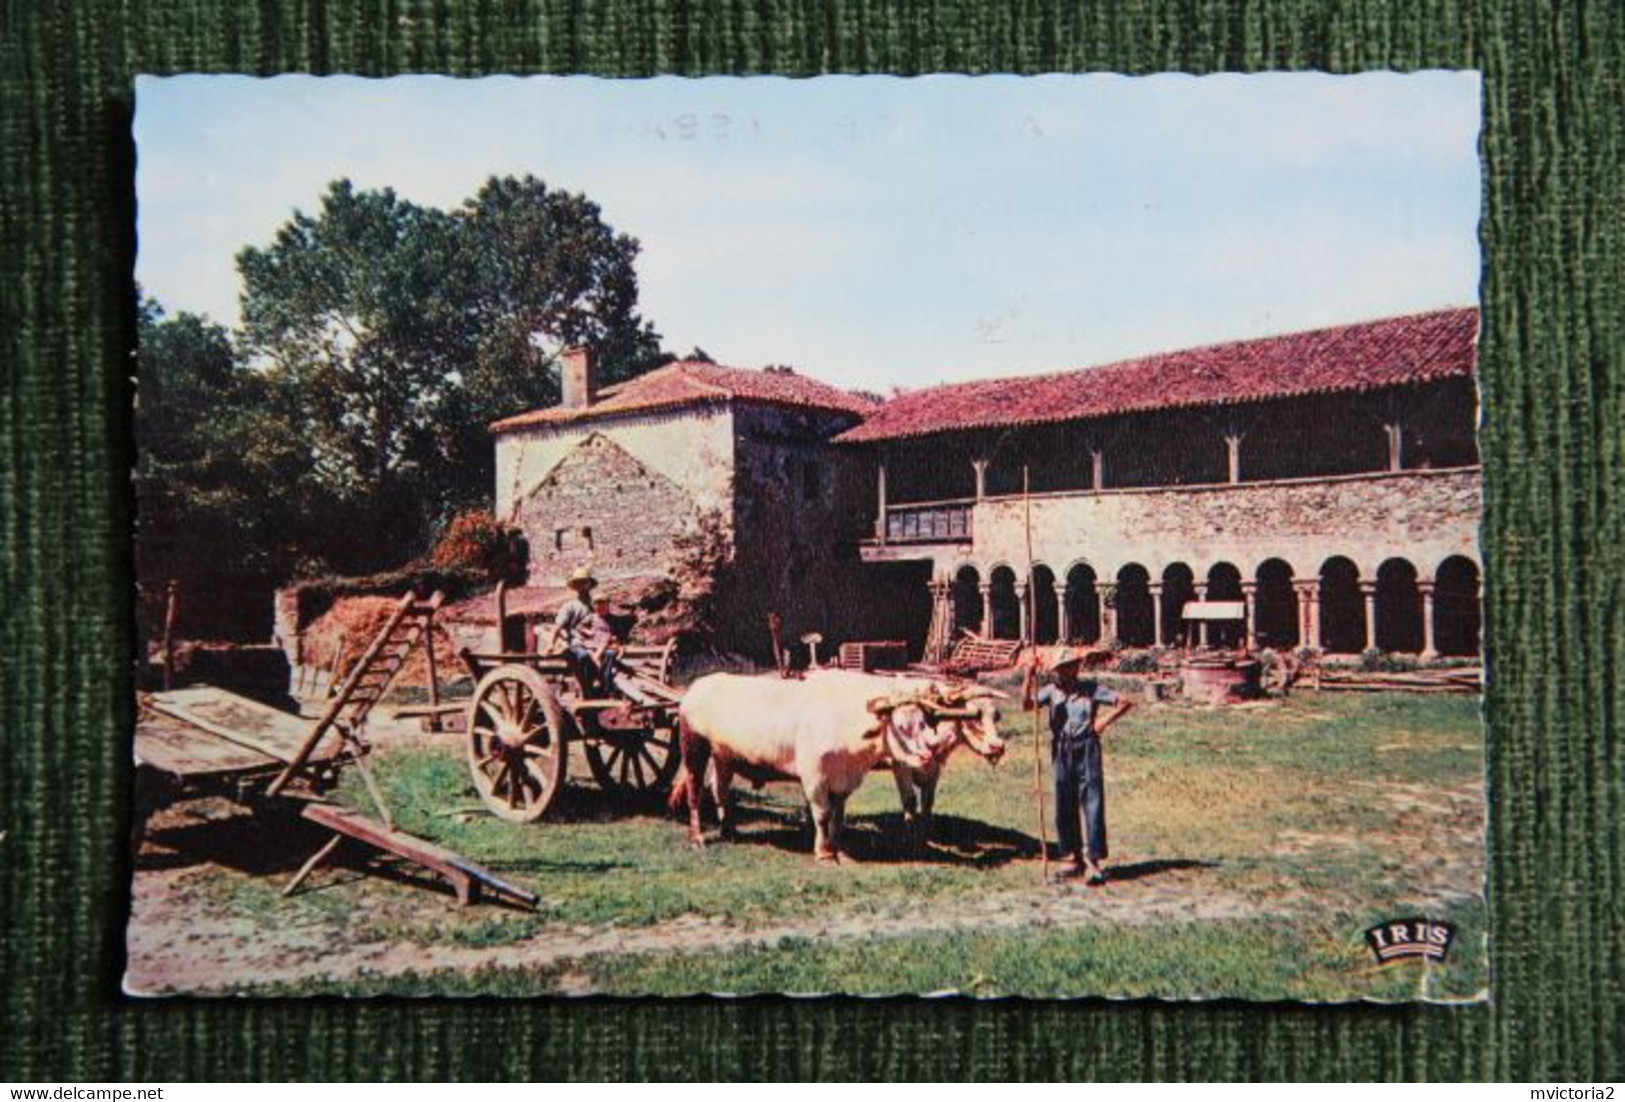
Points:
(575, 378)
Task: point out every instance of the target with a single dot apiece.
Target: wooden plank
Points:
(457, 869)
(183, 751)
(237, 719)
(420, 711)
(518, 658)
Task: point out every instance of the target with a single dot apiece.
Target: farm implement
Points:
(204, 741)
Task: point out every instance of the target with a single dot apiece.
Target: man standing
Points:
(1074, 707)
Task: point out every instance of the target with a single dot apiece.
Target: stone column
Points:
(1308, 594)
(880, 498)
(987, 609)
(1063, 630)
(1368, 590)
(1249, 593)
(1108, 611)
(980, 466)
(1156, 612)
(1429, 649)
(1097, 469)
(1395, 432)
(1200, 589)
(1023, 631)
(1232, 444)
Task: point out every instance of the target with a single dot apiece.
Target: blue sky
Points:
(877, 231)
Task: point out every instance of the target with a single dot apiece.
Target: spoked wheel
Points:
(517, 743)
(633, 762)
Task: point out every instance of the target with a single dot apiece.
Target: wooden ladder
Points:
(408, 626)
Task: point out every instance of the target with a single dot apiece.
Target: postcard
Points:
(949, 536)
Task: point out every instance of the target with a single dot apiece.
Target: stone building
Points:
(1328, 479)
(625, 479)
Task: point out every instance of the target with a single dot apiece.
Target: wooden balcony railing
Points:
(929, 522)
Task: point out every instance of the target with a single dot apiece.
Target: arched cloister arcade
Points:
(1399, 606)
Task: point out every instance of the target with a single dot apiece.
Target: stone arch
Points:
(1457, 610)
(1399, 608)
(1178, 588)
(1224, 584)
(1082, 604)
(1275, 606)
(1006, 606)
(1135, 615)
(967, 598)
(1045, 608)
(1342, 607)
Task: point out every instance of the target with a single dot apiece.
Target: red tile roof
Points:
(1412, 349)
(694, 382)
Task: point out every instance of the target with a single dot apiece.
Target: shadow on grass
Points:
(261, 844)
(1139, 870)
(883, 839)
(276, 840)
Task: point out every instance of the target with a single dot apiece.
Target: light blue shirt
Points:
(1072, 715)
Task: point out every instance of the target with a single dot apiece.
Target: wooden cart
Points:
(203, 740)
(528, 709)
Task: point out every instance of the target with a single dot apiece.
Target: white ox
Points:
(972, 718)
(827, 731)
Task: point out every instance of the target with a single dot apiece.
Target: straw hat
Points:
(1077, 656)
(581, 577)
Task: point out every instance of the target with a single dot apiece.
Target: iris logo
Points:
(1410, 939)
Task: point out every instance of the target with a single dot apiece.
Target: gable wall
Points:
(693, 447)
(602, 506)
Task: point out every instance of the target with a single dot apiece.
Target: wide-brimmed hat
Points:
(581, 576)
(1078, 656)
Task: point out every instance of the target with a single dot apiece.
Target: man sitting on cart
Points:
(583, 628)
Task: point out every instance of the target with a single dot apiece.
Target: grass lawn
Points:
(1253, 845)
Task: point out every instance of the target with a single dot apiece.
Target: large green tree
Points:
(222, 472)
(397, 332)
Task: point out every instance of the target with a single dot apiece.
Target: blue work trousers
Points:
(1080, 796)
(594, 677)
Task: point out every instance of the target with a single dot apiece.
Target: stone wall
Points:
(619, 493)
(799, 513)
(1422, 516)
(693, 447)
(601, 506)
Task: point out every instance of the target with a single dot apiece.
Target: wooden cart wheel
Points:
(518, 743)
(634, 762)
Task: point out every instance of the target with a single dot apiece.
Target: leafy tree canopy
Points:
(394, 334)
(222, 471)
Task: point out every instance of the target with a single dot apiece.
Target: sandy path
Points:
(169, 952)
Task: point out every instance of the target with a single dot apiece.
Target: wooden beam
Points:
(465, 877)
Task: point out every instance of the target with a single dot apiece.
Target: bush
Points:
(1137, 661)
(476, 542)
(1376, 661)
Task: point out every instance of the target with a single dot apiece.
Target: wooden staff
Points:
(171, 612)
(1032, 657)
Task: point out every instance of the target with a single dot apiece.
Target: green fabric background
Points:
(1554, 426)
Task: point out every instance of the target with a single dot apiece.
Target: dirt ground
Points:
(169, 952)
(1298, 841)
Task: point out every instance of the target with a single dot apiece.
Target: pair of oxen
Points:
(828, 730)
